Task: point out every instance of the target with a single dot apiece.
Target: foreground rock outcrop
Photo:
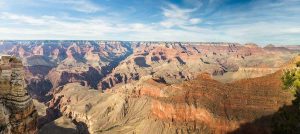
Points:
(17, 112)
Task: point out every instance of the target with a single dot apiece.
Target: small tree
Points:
(287, 119)
(291, 82)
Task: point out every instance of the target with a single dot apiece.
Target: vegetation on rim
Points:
(287, 119)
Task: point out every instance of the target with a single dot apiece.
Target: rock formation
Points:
(146, 87)
(202, 105)
(49, 64)
(174, 62)
(17, 112)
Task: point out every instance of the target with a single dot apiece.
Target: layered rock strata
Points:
(17, 112)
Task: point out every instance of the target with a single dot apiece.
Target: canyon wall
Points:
(150, 87)
(17, 112)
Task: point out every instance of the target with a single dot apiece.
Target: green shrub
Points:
(286, 119)
(298, 64)
(291, 80)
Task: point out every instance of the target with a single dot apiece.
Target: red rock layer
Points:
(220, 107)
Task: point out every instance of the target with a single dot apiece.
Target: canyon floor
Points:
(81, 87)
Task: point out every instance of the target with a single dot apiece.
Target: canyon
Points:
(146, 87)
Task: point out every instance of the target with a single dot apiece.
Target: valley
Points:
(152, 87)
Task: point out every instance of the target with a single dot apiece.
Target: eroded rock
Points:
(17, 112)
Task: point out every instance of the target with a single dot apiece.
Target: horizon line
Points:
(216, 42)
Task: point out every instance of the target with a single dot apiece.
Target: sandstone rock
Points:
(173, 62)
(17, 114)
(148, 87)
(202, 105)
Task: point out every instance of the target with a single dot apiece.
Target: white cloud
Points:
(175, 16)
(46, 26)
(294, 30)
(85, 6)
(178, 24)
(21, 19)
(177, 13)
(195, 20)
(50, 27)
(264, 32)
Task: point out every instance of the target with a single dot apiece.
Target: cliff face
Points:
(106, 64)
(175, 62)
(88, 63)
(17, 112)
(202, 105)
(55, 63)
(222, 107)
(150, 87)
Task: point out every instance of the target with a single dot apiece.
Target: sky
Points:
(242, 21)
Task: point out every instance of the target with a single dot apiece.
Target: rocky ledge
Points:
(17, 112)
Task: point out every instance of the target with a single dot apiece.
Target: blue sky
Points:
(258, 21)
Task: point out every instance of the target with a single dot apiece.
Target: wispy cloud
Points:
(47, 25)
(21, 19)
(85, 6)
(175, 16)
(50, 27)
(211, 20)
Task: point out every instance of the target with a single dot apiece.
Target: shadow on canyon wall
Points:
(285, 121)
(55, 129)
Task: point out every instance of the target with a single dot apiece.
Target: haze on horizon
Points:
(259, 21)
